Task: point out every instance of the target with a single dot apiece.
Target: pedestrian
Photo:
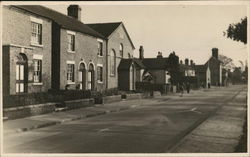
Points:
(188, 87)
(208, 85)
(181, 89)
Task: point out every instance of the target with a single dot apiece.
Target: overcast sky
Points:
(189, 30)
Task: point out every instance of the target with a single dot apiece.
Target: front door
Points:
(91, 77)
(82, 76)
(21, 74)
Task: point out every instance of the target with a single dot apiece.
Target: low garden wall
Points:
(30, 110)
(73, 104)
(134, 96)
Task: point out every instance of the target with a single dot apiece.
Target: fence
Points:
(147, 87)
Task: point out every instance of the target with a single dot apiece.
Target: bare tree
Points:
(227, 62)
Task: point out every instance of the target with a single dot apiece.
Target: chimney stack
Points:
(181, 62)
(141, 51)
(159, 55)
(186, 61)
(215, 52)
(75, 11)
(191, 62)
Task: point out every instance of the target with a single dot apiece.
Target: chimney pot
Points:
(75, 11)
(159, 55)
(215, 52)
(186, 61)
(181, 62)
(141, 52)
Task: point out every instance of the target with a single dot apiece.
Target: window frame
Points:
(71, 41)
(36, 33)
(113, 58)
(121, 50)
(101, 73)
(72, 80)
(100, 49)
(37, 72)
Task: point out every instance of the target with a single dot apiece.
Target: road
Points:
(149, 128)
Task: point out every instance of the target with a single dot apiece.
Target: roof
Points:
(126, 63)
(64, 21)
(107, 29)
(201, 68)
(213, 58)
(155, 63)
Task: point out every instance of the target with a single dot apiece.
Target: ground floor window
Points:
(21, 73)
(99, 73)
(70, 73)
(37, 71)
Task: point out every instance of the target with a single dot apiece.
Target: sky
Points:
(189, 30)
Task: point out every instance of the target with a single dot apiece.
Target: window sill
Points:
(71, 83)
(101, 82)
(36, 45)
(100, 56)
(112, 75)
(71, 51)
(38, 84)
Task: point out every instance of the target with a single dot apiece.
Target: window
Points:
(70, 73)
(129, 55)
(36, 33)
(71, 42)
(100, 48)
(121, 50)
(100, 73)
(112, 63)
(37, 71)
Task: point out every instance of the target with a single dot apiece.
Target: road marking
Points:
(102, 130)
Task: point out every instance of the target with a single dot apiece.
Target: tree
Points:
(227, 62)
(237, 31)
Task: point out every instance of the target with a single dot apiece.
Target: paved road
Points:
(149, 128)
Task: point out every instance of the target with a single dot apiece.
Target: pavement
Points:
(221, 132)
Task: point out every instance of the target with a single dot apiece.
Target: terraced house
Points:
(44, 49)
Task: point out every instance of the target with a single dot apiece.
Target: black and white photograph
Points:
(124, 78)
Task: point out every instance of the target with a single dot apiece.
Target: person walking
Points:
(188, 87)
(181, 89)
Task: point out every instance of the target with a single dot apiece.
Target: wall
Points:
(114, 43)
(17, 35)
(86, 49)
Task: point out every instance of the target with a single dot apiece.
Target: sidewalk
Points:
(45, 120)
(219, 133)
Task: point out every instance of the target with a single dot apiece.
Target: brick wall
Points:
(17, 36)
(86, 49)
(114, 43)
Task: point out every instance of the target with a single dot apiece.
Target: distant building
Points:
(119, 46)
(203, 75)
(215, 66)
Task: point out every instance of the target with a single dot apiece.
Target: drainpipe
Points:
(107, 64)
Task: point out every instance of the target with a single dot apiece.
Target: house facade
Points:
(119, 46)
(26, 51)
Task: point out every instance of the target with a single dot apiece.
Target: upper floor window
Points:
(100, 48)
(121, 50)
(112, 63)
(36, 33)
(71, 42)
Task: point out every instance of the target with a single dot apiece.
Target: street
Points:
(149, 128)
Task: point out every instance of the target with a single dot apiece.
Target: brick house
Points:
(77, 51)
(215, 67)
(26, 51)
(119, 46)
